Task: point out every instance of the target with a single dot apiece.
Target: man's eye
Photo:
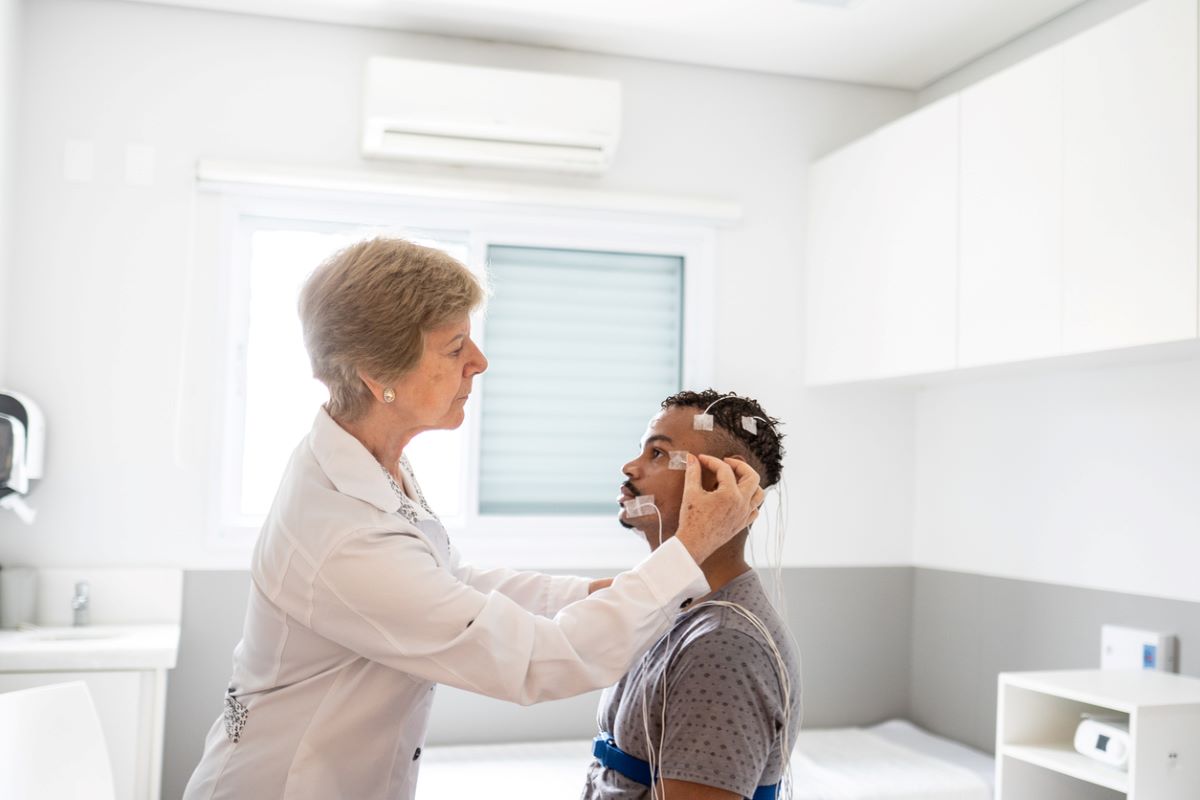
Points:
(655, 452)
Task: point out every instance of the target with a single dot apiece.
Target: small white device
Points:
(1105, 739)
(1130, 648)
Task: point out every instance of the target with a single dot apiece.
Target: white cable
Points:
(651, 760)
(653, 757)
(785, 683)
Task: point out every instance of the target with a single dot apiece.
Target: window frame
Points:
(545, 542)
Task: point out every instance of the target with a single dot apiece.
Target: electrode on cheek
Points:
(641, 506)
(678, 459)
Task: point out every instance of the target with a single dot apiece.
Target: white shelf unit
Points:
(1035, 728)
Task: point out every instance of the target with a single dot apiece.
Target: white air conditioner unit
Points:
(455, 114)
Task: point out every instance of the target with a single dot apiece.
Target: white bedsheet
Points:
(528, 771)
(893, 761)
(856, 764)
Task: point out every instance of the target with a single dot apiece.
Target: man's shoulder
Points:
(726, 629)
(719, 631)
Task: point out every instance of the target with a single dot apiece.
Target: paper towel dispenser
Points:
(22, 448)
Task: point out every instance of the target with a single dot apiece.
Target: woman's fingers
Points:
(745, 473)
(725, 475)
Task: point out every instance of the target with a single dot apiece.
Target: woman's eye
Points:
(457, 352)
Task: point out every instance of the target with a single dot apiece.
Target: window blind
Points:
(583, 345)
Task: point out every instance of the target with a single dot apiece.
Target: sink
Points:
(69, 634)
(100, 647)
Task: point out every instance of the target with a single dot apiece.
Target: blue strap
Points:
(605, 749)
(766, 792)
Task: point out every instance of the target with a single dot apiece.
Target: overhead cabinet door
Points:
(883, 251)
(1010, 275)
(1129, 179)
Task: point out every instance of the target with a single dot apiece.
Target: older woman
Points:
(360, 604)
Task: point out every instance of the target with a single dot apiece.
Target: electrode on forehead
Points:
(702, 422)
(641, 506)
(678, 459)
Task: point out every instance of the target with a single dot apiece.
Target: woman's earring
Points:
(388, 395)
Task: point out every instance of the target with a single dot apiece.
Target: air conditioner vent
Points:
(455, 114)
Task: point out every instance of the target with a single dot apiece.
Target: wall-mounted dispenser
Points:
(22, 449)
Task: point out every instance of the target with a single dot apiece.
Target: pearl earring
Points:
(389, 395)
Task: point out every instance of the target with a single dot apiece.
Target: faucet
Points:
(81, 604)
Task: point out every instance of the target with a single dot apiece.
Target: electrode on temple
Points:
(702, 422)
(678, 459)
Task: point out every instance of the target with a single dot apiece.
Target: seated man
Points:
(707, 709)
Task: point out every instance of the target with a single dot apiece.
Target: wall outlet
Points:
(1130, 648)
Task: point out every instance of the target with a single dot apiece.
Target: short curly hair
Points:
(762, 450)
(369, 306)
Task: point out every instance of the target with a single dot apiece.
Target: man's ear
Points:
(709, 480)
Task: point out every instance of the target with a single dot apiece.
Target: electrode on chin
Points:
(641, 506)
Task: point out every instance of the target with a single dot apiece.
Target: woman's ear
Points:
(373, 386)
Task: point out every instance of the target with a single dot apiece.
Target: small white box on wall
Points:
(1130, 648)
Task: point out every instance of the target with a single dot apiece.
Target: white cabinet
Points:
(1049, 210)
(1129, 179)
(883, 251)
(1035, 726)
(131, 706)
(1010, 276)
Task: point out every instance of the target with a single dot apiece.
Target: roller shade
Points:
(583, 345)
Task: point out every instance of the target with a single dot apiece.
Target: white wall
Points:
(1087, 477)
(1063, 27)
(10, 19)
(118, 323)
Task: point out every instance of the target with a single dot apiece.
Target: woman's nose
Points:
(479, 363)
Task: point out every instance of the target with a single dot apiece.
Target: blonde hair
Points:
(368, 308)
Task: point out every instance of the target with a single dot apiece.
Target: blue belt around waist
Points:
(605, 749)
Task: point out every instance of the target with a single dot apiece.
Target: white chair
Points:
(51, 745)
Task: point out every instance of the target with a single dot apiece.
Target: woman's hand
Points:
(709, 519)
(596, 586)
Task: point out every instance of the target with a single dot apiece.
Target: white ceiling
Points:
(901, 43)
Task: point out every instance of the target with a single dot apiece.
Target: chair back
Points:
(52, 746)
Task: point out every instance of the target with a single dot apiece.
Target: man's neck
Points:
(727, 563)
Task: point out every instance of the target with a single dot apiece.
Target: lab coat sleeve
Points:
(533, 591)
(383, 596)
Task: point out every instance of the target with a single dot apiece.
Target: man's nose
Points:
(630, 470)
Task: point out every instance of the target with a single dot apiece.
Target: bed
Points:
(895, 760)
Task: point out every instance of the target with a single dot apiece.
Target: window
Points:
(585, 332)
(584, 344)
(272, 364)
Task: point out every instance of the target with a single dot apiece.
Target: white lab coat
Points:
(359, 605)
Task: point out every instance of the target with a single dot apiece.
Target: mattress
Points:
(527, 771)
(892, 761)
(895, 760)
